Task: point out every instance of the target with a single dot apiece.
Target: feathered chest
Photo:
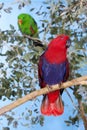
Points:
(53, 73)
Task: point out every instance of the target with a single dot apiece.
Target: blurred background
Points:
(19, 59)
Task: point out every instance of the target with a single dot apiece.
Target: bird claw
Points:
(60, 84)
(49, 87)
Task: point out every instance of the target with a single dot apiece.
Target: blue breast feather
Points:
(53, 73)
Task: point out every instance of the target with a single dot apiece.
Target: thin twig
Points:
(84, 118)
(72, 100)
(37, 41)
(33, 38)
(70, 9)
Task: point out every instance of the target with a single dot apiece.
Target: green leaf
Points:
(12, 27)
(8, 10)
(32, 9)
(6, 128)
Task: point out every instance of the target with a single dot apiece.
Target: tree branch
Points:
(84, 118)
(33, 38)
(37, 41)
(78, 81)
(73, 7)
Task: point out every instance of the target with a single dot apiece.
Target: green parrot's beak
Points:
(19, 21)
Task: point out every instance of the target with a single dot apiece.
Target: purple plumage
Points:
(53, 73)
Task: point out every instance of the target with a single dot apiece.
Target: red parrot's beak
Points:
(19, 21)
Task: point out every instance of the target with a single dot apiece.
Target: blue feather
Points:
(53, 73)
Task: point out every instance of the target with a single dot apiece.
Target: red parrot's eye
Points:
(68, 43)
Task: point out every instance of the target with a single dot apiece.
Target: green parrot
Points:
(27, 25)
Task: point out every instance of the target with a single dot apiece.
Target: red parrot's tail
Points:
(55, 108)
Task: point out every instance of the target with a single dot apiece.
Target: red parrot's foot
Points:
(49, 87)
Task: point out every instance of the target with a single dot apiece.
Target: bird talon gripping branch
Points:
(60, 84)
(49, 87)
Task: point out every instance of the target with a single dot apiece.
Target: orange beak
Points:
(19, 21)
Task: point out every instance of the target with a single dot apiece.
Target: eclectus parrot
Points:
(53, 68)
(27, 25)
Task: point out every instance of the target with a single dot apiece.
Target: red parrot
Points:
(53, 68)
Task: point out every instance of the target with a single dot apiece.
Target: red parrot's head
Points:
(61, 41)
(57, 49)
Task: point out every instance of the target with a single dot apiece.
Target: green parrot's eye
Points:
(23, 17)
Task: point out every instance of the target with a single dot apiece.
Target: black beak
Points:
(68, 43)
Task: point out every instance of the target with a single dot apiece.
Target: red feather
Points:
(57, 51)
(32, 30)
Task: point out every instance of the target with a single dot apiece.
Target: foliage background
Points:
(19, 57)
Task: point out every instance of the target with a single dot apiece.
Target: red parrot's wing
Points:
(40, 76)
(66, 75)
(67, 71)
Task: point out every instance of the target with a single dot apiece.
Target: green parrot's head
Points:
(22, 18)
